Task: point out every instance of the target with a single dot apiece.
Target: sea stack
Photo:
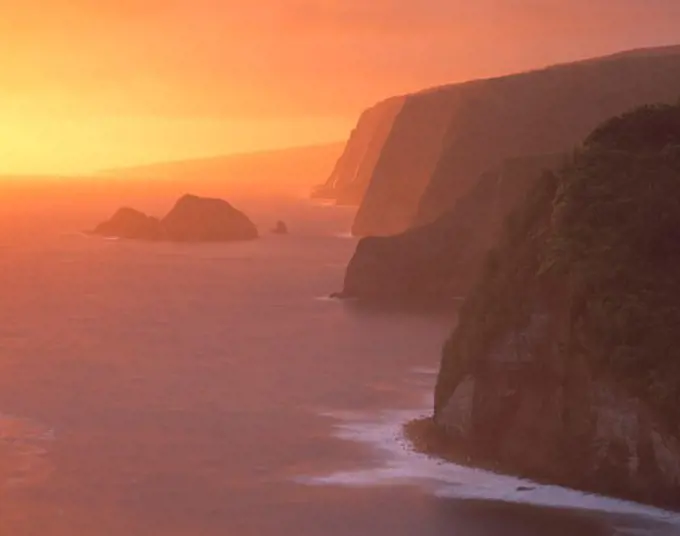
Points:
(280, 228)
(201, 219)
(192, 219)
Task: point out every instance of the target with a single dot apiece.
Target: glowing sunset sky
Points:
(86, 84)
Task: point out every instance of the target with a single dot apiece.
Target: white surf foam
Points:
(400, 465)
(334, 299)
(346, 235)
(327, 299)
(425, 371)
(92, 236)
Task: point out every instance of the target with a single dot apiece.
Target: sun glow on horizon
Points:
(92, 84)
(80, 146)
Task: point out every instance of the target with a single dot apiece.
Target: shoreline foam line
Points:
(383, 433)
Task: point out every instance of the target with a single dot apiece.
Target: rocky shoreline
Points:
(426, 437)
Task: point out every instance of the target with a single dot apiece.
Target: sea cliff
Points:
(563, 365)
(436, 264)
(352, 172)
(411, 158)
(459, 158)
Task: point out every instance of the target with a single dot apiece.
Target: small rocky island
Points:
(130, 223)
(280, 228)
(564, 364)
(192, 219)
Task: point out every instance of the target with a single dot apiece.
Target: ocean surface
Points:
(183, 390)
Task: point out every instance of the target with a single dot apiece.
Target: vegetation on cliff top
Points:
(600, 243)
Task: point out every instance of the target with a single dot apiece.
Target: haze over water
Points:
(184, 390)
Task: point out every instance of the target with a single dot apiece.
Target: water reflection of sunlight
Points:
(23, 452)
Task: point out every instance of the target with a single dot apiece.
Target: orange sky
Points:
(86, 84)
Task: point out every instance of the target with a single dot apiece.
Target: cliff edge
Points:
(443, 139)
(352, 172)
(437, 263)
(564, 365)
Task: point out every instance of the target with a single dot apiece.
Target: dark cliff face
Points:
(564, 365)
(192, 219)
(436, 264)
(445, 138)
(354, 169)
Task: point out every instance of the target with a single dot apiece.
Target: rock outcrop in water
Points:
(438, 262)
(130, 223)
(354, 169)
(200, 219)
(280, 228)
(564, 365)
(192, 219)
(442, 140)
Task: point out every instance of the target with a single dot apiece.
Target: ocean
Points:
(164, 389)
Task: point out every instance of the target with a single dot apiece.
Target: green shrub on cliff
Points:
(599, 245)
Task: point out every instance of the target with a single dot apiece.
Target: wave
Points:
(346, 235)
(425, 371)
(327, 299)
(383, 433)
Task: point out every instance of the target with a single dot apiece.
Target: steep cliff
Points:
(543, 112)
(354, 169)
(407, 160)
(564, 366)
(437, 263)
(445, 138)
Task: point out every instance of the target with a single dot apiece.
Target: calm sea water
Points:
(156, 389)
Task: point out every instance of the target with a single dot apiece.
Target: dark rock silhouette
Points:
(192, 219)
(443, 139)
(280, 228)
(563, 366)
(199, 219)
(437, 263)
(130, 223)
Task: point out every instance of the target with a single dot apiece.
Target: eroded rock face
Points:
(199, 219)
(438, 262)
(444, 139)
(527, 409)
(542, 112)
(192, 219)
(564, 366)
(130, 223)
(407, 160)
(354, 169)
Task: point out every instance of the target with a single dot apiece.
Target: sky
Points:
(89, 84)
